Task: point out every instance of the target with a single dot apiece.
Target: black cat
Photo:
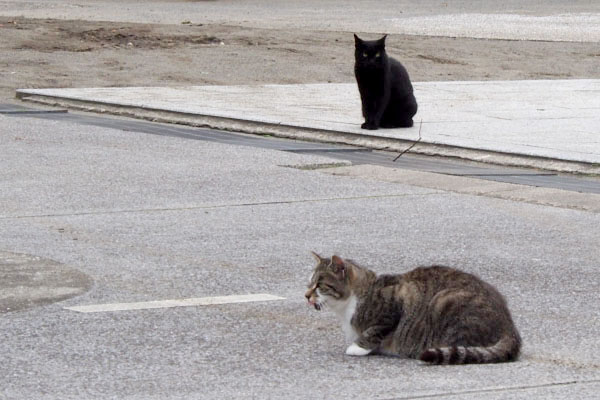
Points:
(385, 89)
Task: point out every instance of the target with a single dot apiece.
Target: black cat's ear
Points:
(339, 266)
(357, 40)
(316, 256)
(381, 41)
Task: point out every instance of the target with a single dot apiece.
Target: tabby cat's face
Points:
(328, 283)
(369, 54)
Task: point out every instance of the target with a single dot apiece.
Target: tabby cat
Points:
(436, 314)
(384, 85)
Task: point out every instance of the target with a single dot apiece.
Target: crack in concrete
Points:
(495, 390)
(216, 206)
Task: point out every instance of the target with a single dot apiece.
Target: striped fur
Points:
(436, 314)
(506, 349)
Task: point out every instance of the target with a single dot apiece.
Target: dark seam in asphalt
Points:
(493, 390)
(524, 174)
(208, 207)
(31, 112)
(356, 155)
(324, 150)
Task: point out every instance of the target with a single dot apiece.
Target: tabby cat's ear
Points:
(316, 256)
(339, 266)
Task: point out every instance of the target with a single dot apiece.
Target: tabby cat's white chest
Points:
(345, 310)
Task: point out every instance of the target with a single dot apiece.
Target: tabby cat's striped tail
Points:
(507, 349)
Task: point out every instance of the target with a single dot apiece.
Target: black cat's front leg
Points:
(370, 125)
(372, 121)
(373, 112)
(367, 111)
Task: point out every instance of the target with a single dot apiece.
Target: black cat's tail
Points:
(506, 349)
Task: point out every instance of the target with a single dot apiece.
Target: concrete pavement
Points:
(575, 20)
(155, 218)
(549, 124)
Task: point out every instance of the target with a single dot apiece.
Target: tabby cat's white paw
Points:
(356, 350)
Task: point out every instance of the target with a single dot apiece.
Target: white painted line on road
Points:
(200, 301)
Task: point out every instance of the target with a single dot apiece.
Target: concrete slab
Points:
(552, 124)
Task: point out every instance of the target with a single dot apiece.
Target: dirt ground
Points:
(61, 53)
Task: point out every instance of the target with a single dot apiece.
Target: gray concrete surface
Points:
(469, 185)
(550, 124)
(550, 20)
(166, 218)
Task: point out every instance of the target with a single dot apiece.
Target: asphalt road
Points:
(549, 20)
(148, 217)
